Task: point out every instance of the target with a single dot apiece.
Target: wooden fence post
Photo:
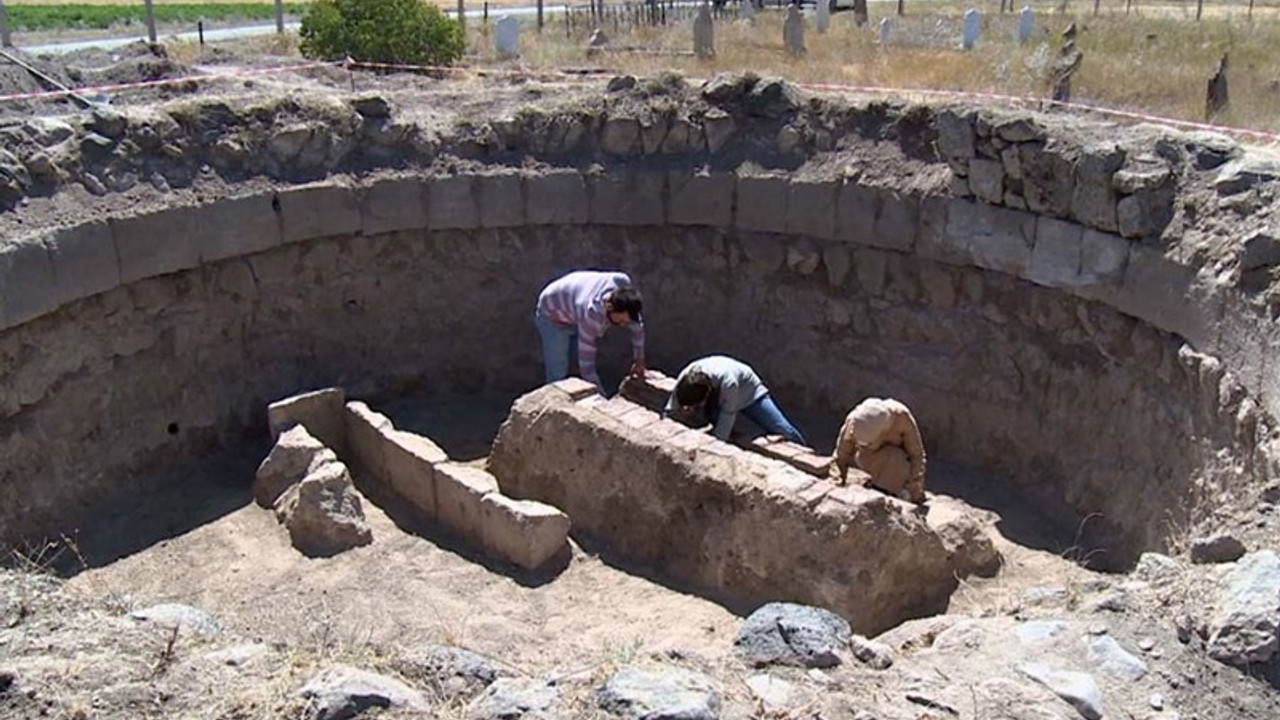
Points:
(151, 22)
(7, 41)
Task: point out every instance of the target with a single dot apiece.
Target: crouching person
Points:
(719, 388)
(880, 437)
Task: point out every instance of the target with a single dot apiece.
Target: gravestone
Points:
(886, 25)
(793, 32)
(972, 28)
(747, 10)
(822, 16)
(1066, 65)
(860, 15)
(1216, 96)
(1026, 23)
(704, 44)
(506, 37)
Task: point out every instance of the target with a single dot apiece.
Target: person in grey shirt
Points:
(720, 388)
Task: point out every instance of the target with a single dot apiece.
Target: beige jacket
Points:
(874, 434)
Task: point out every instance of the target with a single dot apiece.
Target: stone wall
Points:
(1099, 368)
(727, 522)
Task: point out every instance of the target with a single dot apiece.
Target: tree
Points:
(387, 31)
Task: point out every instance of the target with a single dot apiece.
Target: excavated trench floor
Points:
(236, 561)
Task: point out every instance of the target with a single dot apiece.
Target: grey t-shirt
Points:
(739, 387)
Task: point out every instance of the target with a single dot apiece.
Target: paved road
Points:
(238, 32)
(267, 29)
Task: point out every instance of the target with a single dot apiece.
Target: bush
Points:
(389, 31)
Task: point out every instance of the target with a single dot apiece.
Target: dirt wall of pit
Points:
(1082, 309)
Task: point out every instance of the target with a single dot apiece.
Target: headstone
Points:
(860, 15)
(793, 31)
(704, 44)
(972, 27)
(886, 25)
(1026, 23)
(1216, 97)
(747, 10)
(506, 37)
(822, 16)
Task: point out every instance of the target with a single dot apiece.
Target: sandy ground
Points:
(205, 543)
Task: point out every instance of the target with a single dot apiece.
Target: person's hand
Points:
(638, 369)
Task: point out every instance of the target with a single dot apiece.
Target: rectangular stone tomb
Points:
(732, 524)
(462, 500)
(653, 390)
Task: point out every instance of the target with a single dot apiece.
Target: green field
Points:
(54, 17)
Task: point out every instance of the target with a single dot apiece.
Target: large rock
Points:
(1078, 689)
(450, 671)
(1220, 548)
(789, 634)
(511, 698)
(1114, 661)
(296, 453)
(1247, 602)
(733, 522)
(344, 692)
(180, 617)
(968, 543)
(661, 693)
(323, 513)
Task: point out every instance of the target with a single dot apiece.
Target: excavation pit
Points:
(1043, 336)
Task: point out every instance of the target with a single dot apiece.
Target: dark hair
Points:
(693, 389)
(627, 300)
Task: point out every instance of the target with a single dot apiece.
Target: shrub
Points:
(389, 31)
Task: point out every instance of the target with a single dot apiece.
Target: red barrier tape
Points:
(1018, 100)
(526, 73)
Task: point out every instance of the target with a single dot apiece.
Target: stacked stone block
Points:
(465, 501)
(721, 518)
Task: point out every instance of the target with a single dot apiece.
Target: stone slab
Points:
(84, 260)
(157, 243)
(556, 198)
(500, 200)
(1055, 259)
(410, 462)
(451, 203)
(1169, 296)
(628, 198)
(703, 200)
(321, 412)
(318, 210)
(365, 430)
(811, 208)
(27, 285)
(460, 491)
(762, 203)
(524, 532)
(235, 227)
(393, 204)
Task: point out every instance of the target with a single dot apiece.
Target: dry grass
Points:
(1156, 62)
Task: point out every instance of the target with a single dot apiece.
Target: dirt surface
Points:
(70, 650)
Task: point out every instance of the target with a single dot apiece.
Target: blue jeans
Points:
(765, 413)
(559, 345)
